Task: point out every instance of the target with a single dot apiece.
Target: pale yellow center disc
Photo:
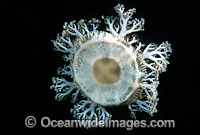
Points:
(106, 71)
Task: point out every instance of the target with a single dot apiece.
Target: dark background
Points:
(39, 22)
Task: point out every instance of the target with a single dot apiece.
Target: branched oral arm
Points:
(85, 28)
(86, 111)
(82, 112)
(103, 113)
(74, 31)
(64, 71)
(74, 96)
(131, 108)
(60, 47)
(158, 55)
(110, 24)
(62, 87)
(68, 41)
(126, 25)
(144, 105)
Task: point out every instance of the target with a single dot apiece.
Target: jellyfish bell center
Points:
(106, 71)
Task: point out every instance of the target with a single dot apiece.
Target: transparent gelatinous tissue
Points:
(109, 67)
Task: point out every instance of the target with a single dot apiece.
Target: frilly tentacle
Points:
(85, 109)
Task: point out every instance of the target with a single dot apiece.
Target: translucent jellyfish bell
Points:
(106, 70)
(109, 68)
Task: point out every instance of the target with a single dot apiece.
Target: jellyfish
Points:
(110, 67)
